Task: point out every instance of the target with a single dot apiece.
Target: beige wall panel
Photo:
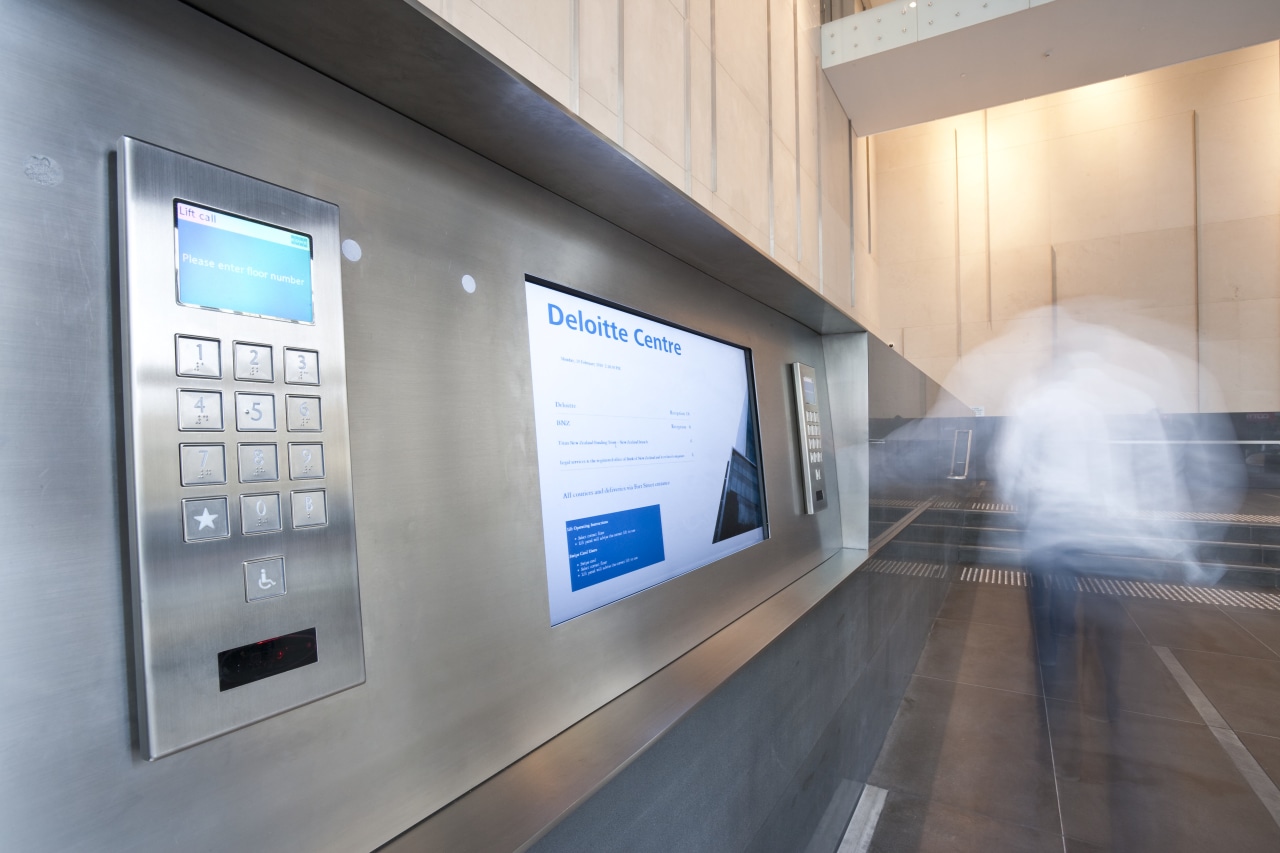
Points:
(598, 51)
(921, 293)
(1020, 197)
(700, 19)
(598, 116)
(1014, 126)
(1088, 269)
(1158, 268)
(1220, 321)
(837, 274)
(1240, 160)
(929, 342)
(1220, 362)
(836, 159)
(653, 76)
(809, 228)
(1021, 280)
(915, 214)
(742, 154)
(1240, 260)
(973, 291)
(702, 143)
(1259, 378)
(545, 25)
(971, 173)
(1260, 319)
(1236, 75)
(807, 106)
(866, 292)
(917, 145)
(1156, 186)
(742, 47)
(784, 200)
(509, 48)
(937, 369)
(1083, 180)
(654, 157)
(783, 70)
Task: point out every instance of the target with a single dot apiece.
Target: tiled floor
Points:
(992, 752)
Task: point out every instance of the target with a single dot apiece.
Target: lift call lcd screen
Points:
(229, 263)
(256, 661)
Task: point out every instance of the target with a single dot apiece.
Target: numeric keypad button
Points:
(200, 410)
(302, 414)
(306, 461)
(255, 412)
(253, 363)
(260, 514)
(205, 518)
(309, 509)
(258, 463)
(199, 357)
(301, 366)
(202, 464)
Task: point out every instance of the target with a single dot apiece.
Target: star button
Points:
(206, 519)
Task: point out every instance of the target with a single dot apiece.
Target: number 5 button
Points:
(255, 412)
(302, 414)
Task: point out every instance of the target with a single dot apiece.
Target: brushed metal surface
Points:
(189, 603)
(847, 381)
(464, 675)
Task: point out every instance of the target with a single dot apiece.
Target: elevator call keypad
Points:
(809, 422)
(237, 458)
(205, 464)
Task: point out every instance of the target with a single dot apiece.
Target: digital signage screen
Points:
(230, 263)
(648, 459)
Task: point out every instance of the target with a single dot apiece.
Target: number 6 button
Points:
(255, 412)
(302, 414)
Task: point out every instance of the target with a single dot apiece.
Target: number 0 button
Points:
(302, 414)
(255, 412)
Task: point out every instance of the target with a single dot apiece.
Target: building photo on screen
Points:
(648, 459)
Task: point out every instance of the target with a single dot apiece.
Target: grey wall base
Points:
(766, 762)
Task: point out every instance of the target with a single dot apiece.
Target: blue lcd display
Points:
(230, 263)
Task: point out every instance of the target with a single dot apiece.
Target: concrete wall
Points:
(1151, 202)
(724, 99)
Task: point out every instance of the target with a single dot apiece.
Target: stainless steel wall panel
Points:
(464, 673)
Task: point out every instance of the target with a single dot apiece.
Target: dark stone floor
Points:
(1100, 751)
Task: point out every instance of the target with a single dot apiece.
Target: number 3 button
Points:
(255, 412)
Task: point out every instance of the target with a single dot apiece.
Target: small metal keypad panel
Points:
(301, 367)
(302, 414)
(309, 509)
(199, 357)
(264, 578)
(253, 363)
(260, 514)
(200, 410)
(205, 519)
(220, 370)
(809, 423)
(306, 461)
(255, 412)
(203, 464)
(259, 463)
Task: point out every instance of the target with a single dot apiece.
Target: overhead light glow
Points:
(912, 4)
